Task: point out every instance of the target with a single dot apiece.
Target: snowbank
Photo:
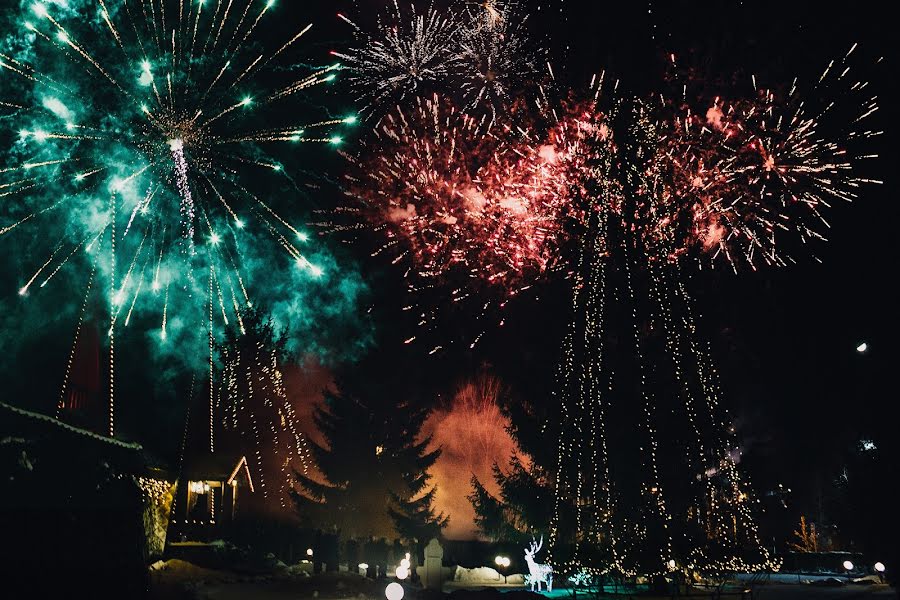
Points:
(477, 575)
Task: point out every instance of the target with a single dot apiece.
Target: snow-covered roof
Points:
(66, 427)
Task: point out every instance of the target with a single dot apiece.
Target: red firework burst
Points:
(452, 197)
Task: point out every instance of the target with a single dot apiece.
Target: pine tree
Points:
(523, 508)
(376, 480)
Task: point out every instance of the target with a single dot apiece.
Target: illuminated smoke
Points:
(472, 435)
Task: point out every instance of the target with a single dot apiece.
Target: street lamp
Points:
(393, 591)
(502, 562)
(849, 567)
(879, 568)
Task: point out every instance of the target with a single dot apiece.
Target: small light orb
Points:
(862, 347)
(402, 572)
(879, 567)
(848, 565)
(309, 552)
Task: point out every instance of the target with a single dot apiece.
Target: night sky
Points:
(784, 339)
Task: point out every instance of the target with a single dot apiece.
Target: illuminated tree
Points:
(257, 415)
(805, 537)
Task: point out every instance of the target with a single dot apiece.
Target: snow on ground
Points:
(477, 575)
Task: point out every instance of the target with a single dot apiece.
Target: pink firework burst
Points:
(460, 203)
(740, 177)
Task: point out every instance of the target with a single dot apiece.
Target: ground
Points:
(183, 581)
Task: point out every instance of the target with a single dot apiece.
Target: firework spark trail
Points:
(186, 206)
(744, 181)
(496, 57)
(148, 102)
(407, 52)
(477, 53)
(461, 206)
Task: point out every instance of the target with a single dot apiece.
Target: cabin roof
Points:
(215, 466)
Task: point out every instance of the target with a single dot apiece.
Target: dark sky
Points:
(785, 339)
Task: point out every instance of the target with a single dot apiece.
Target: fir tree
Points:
(376, 480)
(523, 508)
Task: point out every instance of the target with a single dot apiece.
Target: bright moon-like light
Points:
(394, 591)
(862, 347)
(848, 565)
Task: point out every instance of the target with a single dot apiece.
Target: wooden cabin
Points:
(210, 492)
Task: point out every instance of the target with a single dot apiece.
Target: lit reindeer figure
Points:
(538, 572)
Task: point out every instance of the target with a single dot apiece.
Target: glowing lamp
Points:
(309, 552)
(879, 567)
(405, 562)
(394, 591)
(848, 565)
(363, 566)
(671, 564)
(402, 572)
